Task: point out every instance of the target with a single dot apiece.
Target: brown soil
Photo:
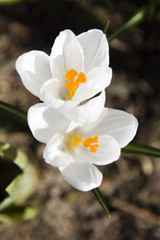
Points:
(130, 185)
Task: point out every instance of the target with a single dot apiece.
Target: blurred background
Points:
(131, 185)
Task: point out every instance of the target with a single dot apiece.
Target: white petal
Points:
(82, 176)
(44, 123)
(97, 80)
(95, 48)
(83, 93)
(107, 152)
(54, 153)
(66, 54)
(120, 125)
(88, 112)
(52, 95)
(34, 69)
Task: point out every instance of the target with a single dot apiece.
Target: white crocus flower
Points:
(76, 149)
(76, 70)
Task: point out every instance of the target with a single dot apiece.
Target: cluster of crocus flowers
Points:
(79, 132)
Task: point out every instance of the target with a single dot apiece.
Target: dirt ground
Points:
(131, 185)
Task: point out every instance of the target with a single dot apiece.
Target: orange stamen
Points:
(73, 85)
(89, 141)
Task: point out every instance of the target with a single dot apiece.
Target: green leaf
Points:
(8, 171)
(15, 213)
(13, 208)
(3, 195)
(136, 148)
(101, 200)
(136, 19)
(23, 185)
(13, 112)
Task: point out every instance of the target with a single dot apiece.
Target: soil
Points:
(130, 185)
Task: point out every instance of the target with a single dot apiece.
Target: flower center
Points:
(90, 142)
(74, 80)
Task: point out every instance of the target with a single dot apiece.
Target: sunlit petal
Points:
(107, 152)
(95, 48)
(119, 124)
(44, 123)
(54, 153)
(34, 69)
(82, 176)
(88, 112)
(66, 54)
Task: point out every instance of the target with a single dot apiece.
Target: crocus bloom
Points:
(76, 148)
(76, 70)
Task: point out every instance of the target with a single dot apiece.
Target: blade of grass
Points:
(5, 2)
(13, 112)
(101, 200)
(135, 148)
(136, 19)
(106, 27)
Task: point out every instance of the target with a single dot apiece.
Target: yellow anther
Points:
(88, 143)
(73, 84)
(75, 141)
